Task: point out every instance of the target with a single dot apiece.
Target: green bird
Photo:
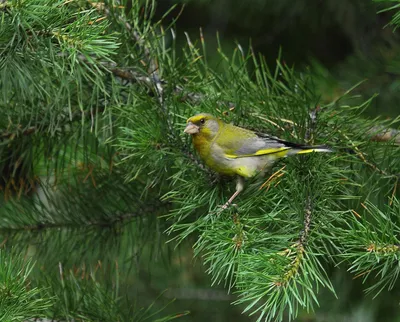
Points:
(234, 151)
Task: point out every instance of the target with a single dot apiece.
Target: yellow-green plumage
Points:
(232, 150)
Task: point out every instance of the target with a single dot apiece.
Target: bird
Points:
(235, 151)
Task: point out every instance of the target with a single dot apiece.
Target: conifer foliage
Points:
(94, 164)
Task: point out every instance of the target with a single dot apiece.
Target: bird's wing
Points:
(236, 142)
(261, 145)
(264, 144)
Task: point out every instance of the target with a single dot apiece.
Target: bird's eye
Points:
(202, 121)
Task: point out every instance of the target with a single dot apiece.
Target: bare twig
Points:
(131, 75)
(47, 225)
(198, 294)
(381, 134)
(8, 135)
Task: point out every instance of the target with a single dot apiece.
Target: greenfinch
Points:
(235, 151)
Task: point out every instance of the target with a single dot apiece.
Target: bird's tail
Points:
(303, 149)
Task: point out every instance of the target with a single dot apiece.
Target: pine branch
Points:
(46, 225)
(298, 248)
(19, 298)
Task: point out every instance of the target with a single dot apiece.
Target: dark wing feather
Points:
(264, 144)
(288, 144)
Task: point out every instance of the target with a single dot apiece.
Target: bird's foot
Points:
(226, 206)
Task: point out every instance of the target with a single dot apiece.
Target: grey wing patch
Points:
(253, 145)
(284, 143)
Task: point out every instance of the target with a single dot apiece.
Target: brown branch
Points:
(140, 41)
(380, 134)
(130, 75)
(33, 129)
(43, 226)
(153, 76)
(9, 135)
(198, 294)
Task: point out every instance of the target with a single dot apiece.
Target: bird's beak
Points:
(191, 128)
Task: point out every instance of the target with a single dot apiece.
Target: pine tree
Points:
(95, 167)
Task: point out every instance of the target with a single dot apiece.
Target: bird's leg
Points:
(239, 189)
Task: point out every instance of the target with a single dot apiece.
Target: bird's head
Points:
(203, 124)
